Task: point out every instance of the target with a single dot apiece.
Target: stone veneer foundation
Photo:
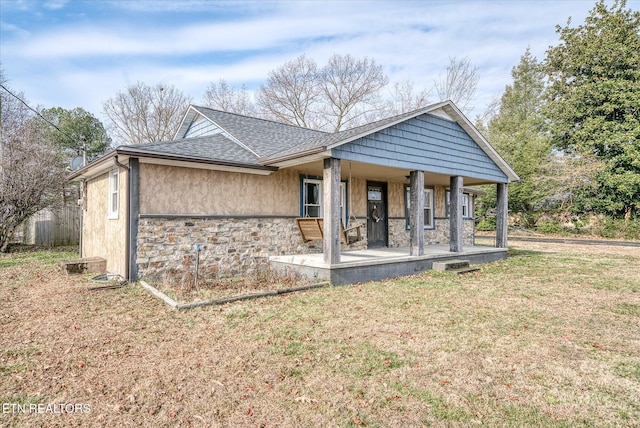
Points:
(399, 235)
(231, 246)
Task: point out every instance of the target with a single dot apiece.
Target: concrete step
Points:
(448, 265)
(461, 271)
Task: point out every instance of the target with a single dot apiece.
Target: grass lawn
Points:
(548, 337)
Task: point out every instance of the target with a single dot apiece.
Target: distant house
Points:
(234, 185)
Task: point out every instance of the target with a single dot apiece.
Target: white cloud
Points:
(55, 4)
(84, 62)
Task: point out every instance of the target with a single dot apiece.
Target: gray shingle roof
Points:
(267, 139)
(259, 142)
(264, 137)
(212, 147)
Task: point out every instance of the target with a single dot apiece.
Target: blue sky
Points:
(65, 53)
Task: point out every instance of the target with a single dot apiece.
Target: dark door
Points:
(376, 214)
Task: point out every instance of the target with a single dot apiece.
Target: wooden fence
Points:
(53, 227)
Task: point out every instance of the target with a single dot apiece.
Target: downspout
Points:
(127, 225)
(134, 217)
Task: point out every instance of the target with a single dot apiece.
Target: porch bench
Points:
(311, 229)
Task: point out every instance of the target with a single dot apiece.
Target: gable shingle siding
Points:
(426, 142)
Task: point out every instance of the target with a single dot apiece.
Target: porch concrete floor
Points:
(379, 263)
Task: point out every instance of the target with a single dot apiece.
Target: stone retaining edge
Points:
(180, 306)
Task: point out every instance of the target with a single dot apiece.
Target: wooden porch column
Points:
(502, 215)
(331, 215)
(455, 214)
(416, 213)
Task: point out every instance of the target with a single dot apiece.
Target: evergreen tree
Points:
(593, 103)
(517, 133)
(77, 126)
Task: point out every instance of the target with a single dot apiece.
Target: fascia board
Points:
(288, 163)
(208, 166)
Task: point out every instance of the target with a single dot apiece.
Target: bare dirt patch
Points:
(548, 337)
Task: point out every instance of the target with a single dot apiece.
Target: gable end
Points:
(428, 143)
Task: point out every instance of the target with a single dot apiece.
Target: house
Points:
(231, 187)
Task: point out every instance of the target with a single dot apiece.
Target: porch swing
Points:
(312, 228)
(354, 224)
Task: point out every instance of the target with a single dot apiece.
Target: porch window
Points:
(467, 204)
(313, 199)
(114, 187)
(428, 206)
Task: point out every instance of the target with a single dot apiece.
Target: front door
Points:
(376, 214)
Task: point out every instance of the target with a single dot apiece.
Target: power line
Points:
(38, 113)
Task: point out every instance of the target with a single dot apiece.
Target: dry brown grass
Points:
(549, 337)
(183, 287)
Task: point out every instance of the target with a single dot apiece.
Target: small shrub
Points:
(487, 224)
(618, 228)
(549, 227)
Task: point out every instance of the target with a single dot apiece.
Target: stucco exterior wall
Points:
(358, 197)
(175, 190)
(102, 236)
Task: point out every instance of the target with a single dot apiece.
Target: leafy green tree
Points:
(74, 127)
(517, 133)
(593, 103)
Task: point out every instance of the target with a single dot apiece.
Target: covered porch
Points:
(380, 263)
(422, 219)
(407, 179)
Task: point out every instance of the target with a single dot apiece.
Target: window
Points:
(114, 187)
(313, 199)
(467, 206)
(428, 207)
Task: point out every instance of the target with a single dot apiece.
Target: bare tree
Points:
(404, 98)
(490, 111)
(31, 168)
(344, 93)
(221, 96)
(351, 88)
(460, 83)
(144, 114)
(291, 94)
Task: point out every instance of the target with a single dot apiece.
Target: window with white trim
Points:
(428, 206)
(313, 199)
(467, 206)
(114, 190)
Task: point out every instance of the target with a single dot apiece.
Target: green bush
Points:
(549, 227)
(619, 229)
(487, 224)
